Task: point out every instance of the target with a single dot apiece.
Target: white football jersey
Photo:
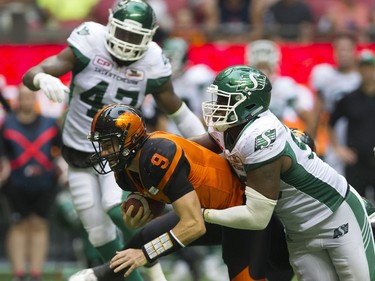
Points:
(191, 87)
(97, 81)
(289, 98)
(310, 190)
(333, 84)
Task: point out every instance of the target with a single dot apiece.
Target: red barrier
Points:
(297, 59)
(17, 59)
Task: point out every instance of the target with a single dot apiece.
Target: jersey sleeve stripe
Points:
(172, 167)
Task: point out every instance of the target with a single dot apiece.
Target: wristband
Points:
(161, 246)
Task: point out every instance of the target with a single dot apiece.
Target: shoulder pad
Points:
(87, 37)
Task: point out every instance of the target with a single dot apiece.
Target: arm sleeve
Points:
(255, 215)
(187, 122)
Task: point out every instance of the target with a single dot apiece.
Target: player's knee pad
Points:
(100, 236)
(112, 195)
(84, 188)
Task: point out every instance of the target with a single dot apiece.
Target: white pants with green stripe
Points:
(339, 248)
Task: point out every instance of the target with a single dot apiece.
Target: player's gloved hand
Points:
(51, 86)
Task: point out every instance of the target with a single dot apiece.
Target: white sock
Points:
(155, 272)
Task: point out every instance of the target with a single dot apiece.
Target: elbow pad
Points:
(255, 215)
(187, 122)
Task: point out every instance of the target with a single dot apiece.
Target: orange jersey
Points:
(171, 166)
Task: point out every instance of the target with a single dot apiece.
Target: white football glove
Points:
(51, 86)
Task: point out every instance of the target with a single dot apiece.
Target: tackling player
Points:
(324, 217)
(109, 64)
(171, 169)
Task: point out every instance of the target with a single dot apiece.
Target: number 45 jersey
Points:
(97, 80)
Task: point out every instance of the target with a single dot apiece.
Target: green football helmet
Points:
(176, 50)
(130, 29)
(240, 93)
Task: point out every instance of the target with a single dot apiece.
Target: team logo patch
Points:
(258, 83)
(83, 30)
(341, 231)
(265, 139)
(103, 63)
(134, 74)
(153, 190)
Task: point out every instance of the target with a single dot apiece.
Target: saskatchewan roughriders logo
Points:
(258, 82)
(265, 139)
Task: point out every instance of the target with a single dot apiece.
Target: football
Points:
(137, 200)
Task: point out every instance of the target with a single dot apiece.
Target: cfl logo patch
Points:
(341, 231)
(103, 63)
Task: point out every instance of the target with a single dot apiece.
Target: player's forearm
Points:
(255, 215)
(187, 122)
(169, 242)
(28, 78)
(189, 231)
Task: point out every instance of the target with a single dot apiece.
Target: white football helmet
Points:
(262, 51)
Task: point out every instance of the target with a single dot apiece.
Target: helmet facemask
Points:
(127, 40)
(220, 113)
(117, 134)
(239, 94)
(118, 159)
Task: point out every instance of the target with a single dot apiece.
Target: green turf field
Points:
(61, 272)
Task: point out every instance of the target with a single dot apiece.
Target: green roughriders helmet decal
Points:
(136, 10)
(242, 93)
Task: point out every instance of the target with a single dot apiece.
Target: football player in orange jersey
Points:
(171, 169)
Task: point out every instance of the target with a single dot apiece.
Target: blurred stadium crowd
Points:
(343, 28)
(198, 21)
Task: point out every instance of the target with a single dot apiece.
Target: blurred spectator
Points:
(358, 108)
(346, 16)
(29, 146)
(164, 18)
(231, 17)
(291, 102)
(372, 23)
(4, 104)
(331, 83)
(17, 18)
(67, 14)
(100, 11)
(186, 27)
(289, 20)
